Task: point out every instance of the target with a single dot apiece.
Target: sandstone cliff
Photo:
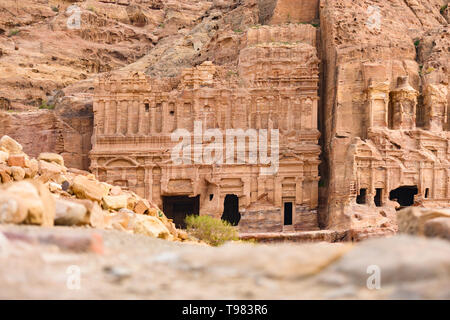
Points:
(365, 44)
(45, 64)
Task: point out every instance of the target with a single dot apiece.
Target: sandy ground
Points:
(139, 267)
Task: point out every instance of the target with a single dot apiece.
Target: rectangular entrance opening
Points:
(361, 198)
(179, 207)
(378, 197)
(288, 213)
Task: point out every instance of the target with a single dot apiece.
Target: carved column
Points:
(299, 189)
(107, 115)
(148, 182)
(119, 114)
(129, 117)
(435, 104)
(141, 119)
(136, 115)
(404, 100)
(378, 101)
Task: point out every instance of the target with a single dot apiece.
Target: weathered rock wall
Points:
(361, 57)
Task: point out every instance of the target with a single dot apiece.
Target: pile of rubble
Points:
(44, 192)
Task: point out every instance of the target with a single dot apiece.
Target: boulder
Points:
(53, 186)
(18, 173)
(11, 145)
(97, 217)
(115, 191)
(70, 213)
(49, 171)
(115, 202)
(412, 220)
(86, 188)
(12, 209)
(150, 226)
(5, 174)
(123, 220)
(4, 156)
(32, 168)
(47, 216)
(37, 200)
(16, 160)
(438, 227)
(142, 206)
(51, 157)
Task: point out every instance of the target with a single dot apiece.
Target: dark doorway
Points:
(378, 197)
(288, 213)
(231, 209)
(178, 208)
(361, 198)
(404, 195)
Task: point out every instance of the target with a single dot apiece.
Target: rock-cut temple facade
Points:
(384, 143)
(273, 92)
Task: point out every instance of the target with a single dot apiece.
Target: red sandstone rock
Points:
(15, 160)
(142, 206)
(86, 188)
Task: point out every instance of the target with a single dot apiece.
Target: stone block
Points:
(52, 157)
(16, 160)
(11, 145)
(86, 188)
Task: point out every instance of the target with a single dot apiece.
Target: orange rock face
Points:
(359, 91)
(385, 113)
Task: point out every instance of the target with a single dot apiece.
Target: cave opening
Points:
(231, 209)
(361, 198)
(404, 195)
(378, 197)
(178, 208)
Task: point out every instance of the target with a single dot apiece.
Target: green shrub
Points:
(443, 8)
(44, 105)
(430, 70)
(55, 9)
(13, 32)
(211, 230)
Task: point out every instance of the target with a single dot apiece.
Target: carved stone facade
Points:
(275, 89)
(401, 158)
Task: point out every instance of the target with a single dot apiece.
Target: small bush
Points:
(44, 105)
(13, 32)
(55, 9)
(429, 70)
(443, 8)
(213, 231)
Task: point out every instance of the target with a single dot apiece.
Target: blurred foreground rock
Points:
(35, 262)
(424, 222)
